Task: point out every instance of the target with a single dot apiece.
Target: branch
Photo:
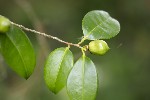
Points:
(45, 35)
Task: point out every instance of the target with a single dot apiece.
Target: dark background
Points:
(124, 72)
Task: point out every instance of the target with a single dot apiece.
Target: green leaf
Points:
(57, 68)
(18, 51)
(99, 24)
(82, 81)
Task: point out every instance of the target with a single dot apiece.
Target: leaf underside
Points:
(99, 24)
(82, 80)
(57, 68)
(18, 52)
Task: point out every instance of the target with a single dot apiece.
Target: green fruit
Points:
(4, 24)
(98, 47)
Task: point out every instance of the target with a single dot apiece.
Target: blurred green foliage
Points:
(124, 72)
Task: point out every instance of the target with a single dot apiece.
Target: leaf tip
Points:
(55, 92)
(27, 77)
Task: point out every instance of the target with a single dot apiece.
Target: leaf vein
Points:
(26, 71)
(60, 65)
(83, 67)
(97, 26)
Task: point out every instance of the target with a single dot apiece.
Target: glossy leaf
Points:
(18, 51)
(57, 68)
(82, 80)
(99, 24)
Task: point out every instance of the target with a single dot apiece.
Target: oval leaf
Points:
(18, 51)
(82, 80)
(57, 68)
(99, 25)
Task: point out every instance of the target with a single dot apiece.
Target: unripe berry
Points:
(98, 47)
(4, 24)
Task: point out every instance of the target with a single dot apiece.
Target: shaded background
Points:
(124, 72)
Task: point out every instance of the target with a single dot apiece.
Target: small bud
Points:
(98, 47)
(4, 24)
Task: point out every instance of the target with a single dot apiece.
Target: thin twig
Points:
(45, 35)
